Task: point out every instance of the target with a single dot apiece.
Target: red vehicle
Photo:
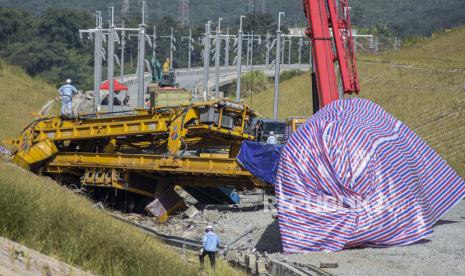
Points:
(330, 32)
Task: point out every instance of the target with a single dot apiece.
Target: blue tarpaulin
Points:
(260, 159)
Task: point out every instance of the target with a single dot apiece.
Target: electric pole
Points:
(141, 61)
(239, 60)
(190, 48)
(283, 50)
(123, 45)
(111, 59)
(290, 51)
(98, 56)
(154, 43)
(217, 58)
(98, 61)
(268, 48)
(172, 47)
(206, 60)
(248, 50)
(277, 68)
(226, 52)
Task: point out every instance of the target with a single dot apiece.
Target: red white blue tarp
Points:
(353, 175)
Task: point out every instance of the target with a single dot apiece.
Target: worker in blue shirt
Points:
(67, 92)
(211, 242)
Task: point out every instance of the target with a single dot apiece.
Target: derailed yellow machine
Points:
(145, 153)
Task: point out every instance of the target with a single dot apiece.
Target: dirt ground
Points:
(442, 253)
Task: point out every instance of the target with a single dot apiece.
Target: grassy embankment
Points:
(428, 96)
(38, 213)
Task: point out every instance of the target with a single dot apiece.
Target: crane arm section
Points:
(330, 32)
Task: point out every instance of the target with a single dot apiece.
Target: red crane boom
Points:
(330, 32)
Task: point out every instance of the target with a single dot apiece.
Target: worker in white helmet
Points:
(67, 92)
(211, 242)
(272, 139)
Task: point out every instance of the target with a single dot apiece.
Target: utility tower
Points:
(251, 6)
(125, 8)
(263, 6)
(184, 11)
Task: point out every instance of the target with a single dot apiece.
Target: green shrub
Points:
(255, 81)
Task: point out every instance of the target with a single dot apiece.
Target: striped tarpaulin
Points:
(353, 175)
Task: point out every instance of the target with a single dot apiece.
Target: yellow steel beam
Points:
(209, 129)
(126, 126)
(185, 165)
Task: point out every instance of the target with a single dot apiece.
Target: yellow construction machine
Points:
(292, 124)
(145, 153)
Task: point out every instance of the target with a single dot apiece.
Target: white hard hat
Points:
(209, 227)
(271, 132)
(68, 81)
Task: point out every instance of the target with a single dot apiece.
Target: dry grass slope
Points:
(295, 98)
(428, 97)
(38, 213)
(443, 50)
(19, 95)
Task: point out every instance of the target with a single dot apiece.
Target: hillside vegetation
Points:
(428, 97)
(412, 17)
(44, 216)
(20, 95)
(443, 50)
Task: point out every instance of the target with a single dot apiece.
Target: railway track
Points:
(251, 263)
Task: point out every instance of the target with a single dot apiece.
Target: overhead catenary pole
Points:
(268, 48)
(239, 60)
(154, 43)
(283, 50)
(277, 68)
(172, 47)
(111, 59)
(250, 45)
(251, 49)
(172, 40)
(290, 51)
(226, 52)
(141, 62)
(123, 45)
(301, 41)
(217, 58)
(189, 49)
(206, 60)
(98, 61)
(248, 50)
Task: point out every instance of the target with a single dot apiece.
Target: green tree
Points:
(15, 26)
(63, 26)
